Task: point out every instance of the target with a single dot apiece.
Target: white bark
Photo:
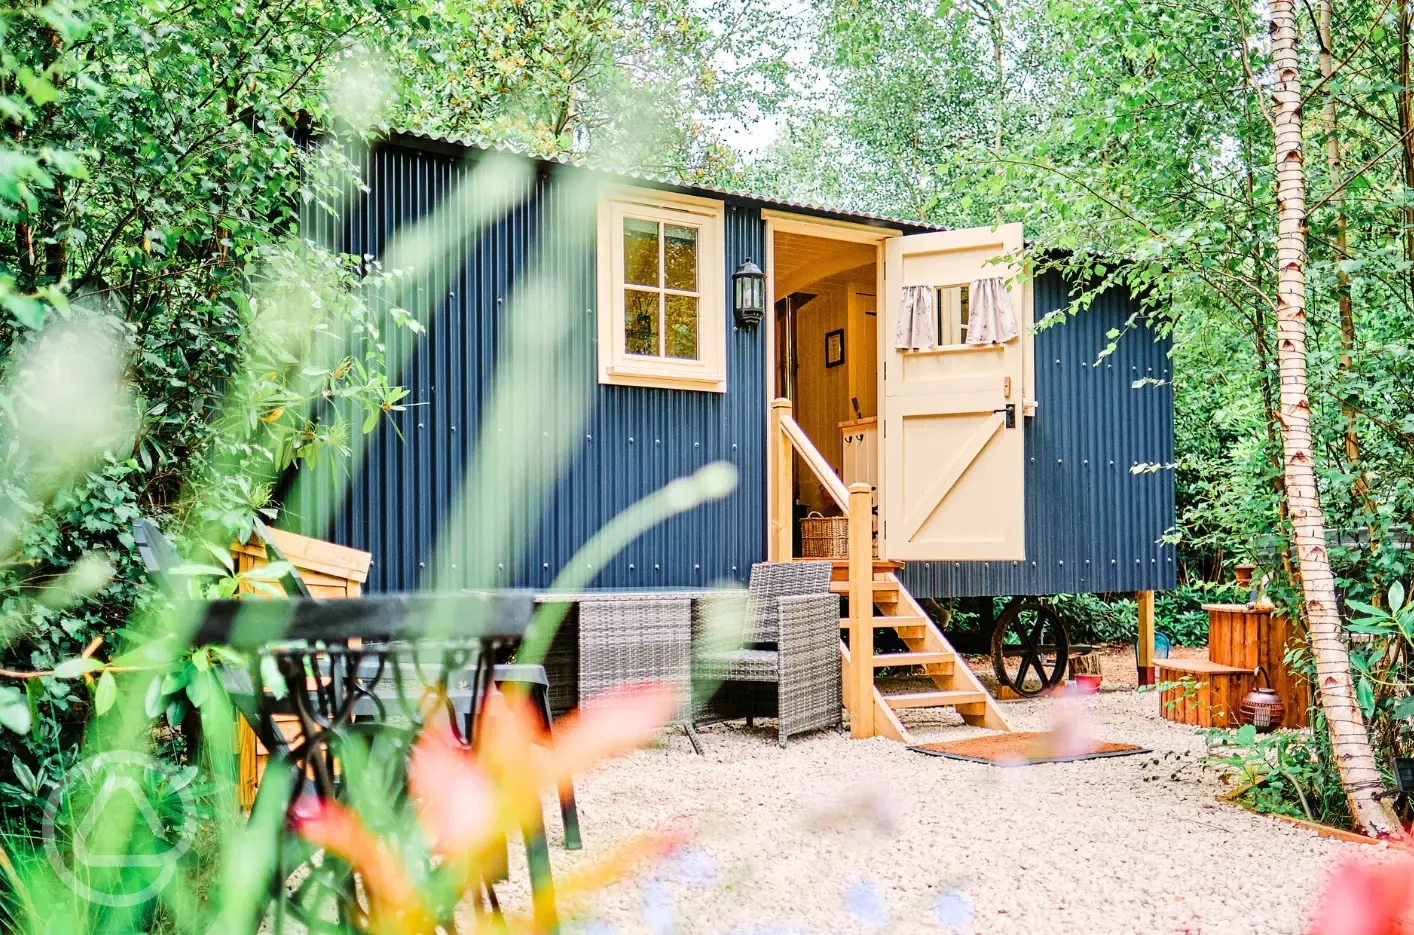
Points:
(1350, 739)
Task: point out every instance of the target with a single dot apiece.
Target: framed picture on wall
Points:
(834, 347)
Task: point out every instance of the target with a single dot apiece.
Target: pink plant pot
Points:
(1086, 683)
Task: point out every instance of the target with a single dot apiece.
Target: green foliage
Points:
(1381, 667)
(1283, 773)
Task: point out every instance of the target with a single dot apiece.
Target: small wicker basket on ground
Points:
(824, 536)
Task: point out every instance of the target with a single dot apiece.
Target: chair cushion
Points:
(741, 665)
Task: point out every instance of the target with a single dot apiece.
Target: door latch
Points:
(1010, 410)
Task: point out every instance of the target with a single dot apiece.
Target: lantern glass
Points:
(749, 293)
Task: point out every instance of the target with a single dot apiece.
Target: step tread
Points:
(911, 659)
(934, 699)
(895, 622)
(884, 586)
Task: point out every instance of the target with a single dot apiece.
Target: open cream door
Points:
(953, 413)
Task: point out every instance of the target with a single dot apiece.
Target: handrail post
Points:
(781, 539)
(1144, 654)
(861, 610)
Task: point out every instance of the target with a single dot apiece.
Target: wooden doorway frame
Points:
(829, 229)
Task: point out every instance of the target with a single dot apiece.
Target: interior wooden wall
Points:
(823, 393)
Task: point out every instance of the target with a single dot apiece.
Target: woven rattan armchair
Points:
(792, 640)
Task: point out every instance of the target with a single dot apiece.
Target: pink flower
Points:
(1367, 898)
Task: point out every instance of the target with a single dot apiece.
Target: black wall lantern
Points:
(749, 291)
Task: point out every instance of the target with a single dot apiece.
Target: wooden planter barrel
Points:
(1240, 638)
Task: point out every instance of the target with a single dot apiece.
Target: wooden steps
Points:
(935, 699)
(955, 685)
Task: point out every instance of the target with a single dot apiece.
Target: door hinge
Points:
(1010, 410)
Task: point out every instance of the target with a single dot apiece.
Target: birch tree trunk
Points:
(1350, 740)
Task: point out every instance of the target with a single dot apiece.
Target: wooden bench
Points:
(1211, 695)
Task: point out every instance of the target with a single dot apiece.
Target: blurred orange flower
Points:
(466, 799)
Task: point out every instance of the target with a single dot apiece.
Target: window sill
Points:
(697, 382)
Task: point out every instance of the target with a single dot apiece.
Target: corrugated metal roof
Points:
(414, 137)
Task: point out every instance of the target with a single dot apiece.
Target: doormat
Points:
(1025, 748)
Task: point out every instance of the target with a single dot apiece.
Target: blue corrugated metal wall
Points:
(635, 440)
(1091, 524)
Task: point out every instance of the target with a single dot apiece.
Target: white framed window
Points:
(662, 291)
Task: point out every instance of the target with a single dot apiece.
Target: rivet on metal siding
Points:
(421, 564)
(957, 564)
(657, 441)
(630, 439)
(546, 565)
(733, 447)
(1061, 562)
(501, 567)
(1033, 564)
(454, 568)
(1112, 464)
(1059, 461)
(1086, 461)
(656, 568)
(1136, 561)
(697, 444)
(419, 425)
(630, 566)
(589, 438)
(733, 568)
(696, 567)
(1112, 561)
(1087, 561)
(454, 428)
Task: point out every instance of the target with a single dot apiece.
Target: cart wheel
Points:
(1030, 648)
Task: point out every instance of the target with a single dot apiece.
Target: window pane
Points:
(680, 257)
(641, 322)
(641, 251)
(682, 327)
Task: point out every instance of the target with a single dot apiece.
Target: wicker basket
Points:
(824, 536)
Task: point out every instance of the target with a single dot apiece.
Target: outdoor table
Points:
(339, 659)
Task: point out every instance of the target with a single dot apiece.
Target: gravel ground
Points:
(833, 835)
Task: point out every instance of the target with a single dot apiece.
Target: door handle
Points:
(1010, 410)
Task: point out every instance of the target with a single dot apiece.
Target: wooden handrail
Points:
(816, 462)
(786, 439)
